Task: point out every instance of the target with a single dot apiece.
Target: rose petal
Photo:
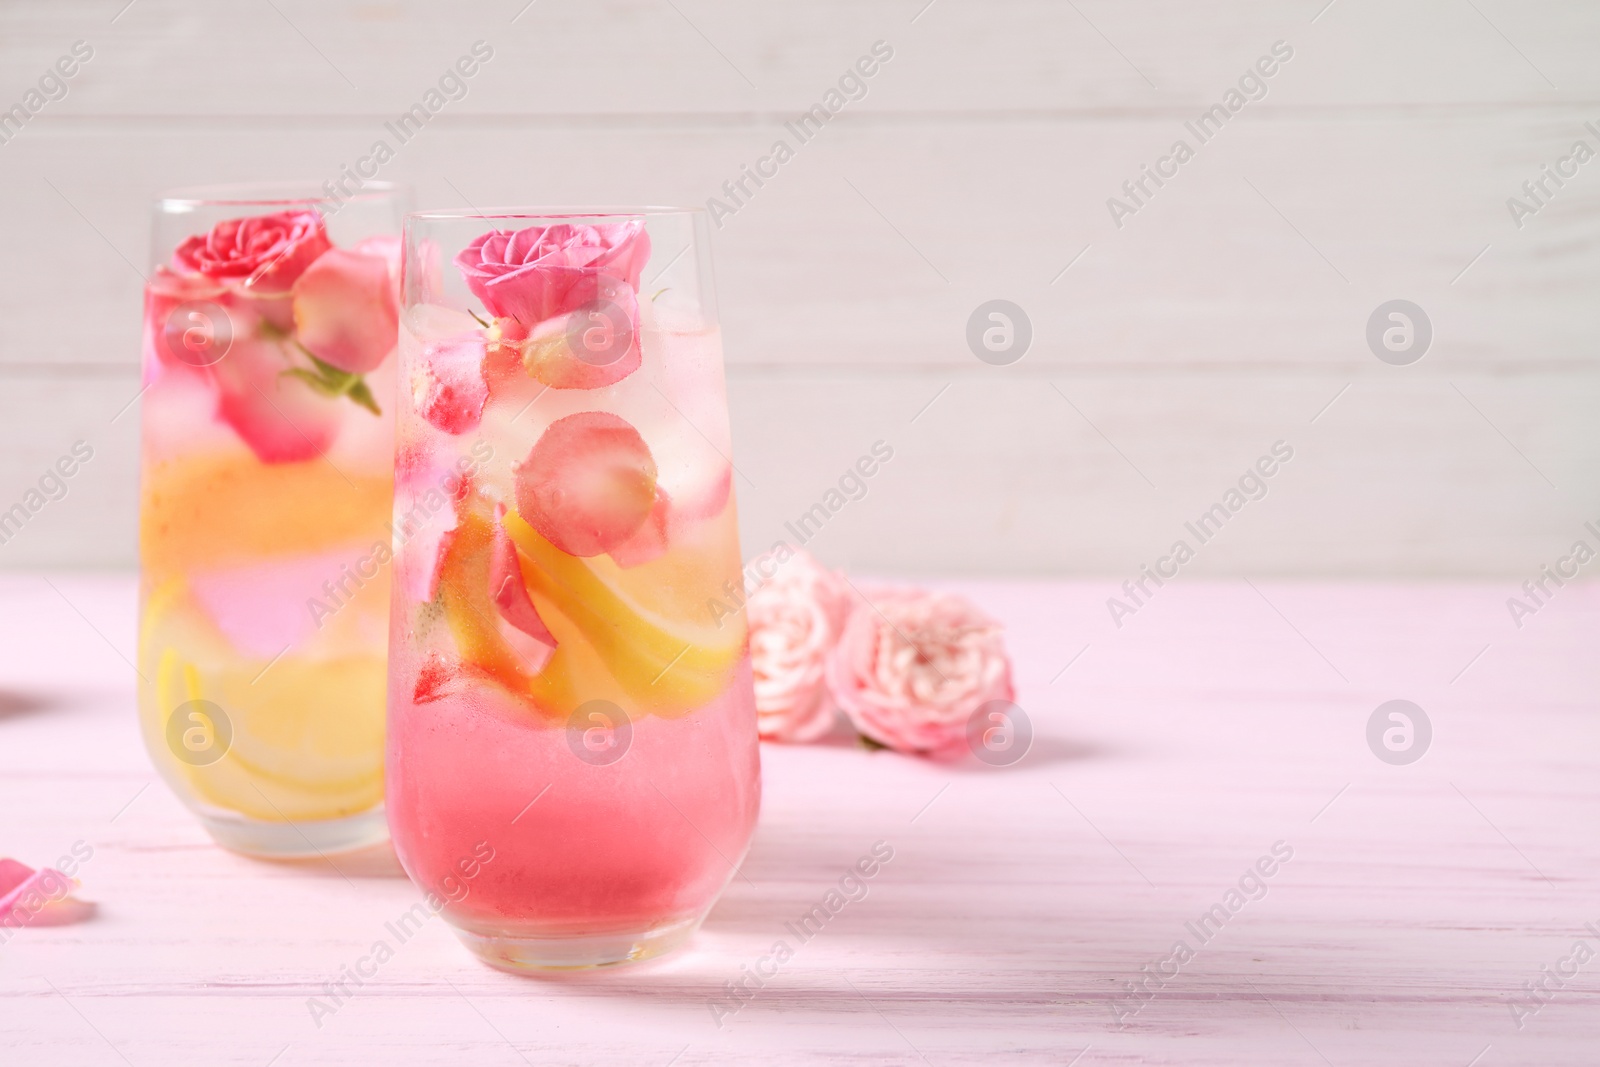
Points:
(650, 540)
(448, 386)
(510, 595)
(280, 417)
(703, 499)
(262, 608)
(436, 678)
(426, 493)
(38, 898)
(345, 311)
(588, 483)
(388, 248)
(185, 337)
(594, 346)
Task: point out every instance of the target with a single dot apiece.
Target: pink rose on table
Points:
(795, 619)
(572, 291)
(263, 253)
(912, 667)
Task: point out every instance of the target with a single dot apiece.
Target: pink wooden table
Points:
(1171, 757)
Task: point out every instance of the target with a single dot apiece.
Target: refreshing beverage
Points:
(573, 763)
(265, 493)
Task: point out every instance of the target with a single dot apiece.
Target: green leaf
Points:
(311, 379)
(363, 396)
(869, 744)
(331, 381)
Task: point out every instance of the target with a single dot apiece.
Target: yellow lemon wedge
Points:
(653, 633)
(304, 734)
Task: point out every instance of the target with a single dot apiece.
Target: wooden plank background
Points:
(1225, 315)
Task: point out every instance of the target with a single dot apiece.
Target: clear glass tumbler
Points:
(573, 765)
(266, 481)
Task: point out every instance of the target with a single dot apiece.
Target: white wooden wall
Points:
(1225, 315)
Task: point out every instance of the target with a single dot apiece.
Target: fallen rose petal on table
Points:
(42, 897)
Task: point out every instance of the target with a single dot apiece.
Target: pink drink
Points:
(601, 850)
(266, 475)
(573, 766)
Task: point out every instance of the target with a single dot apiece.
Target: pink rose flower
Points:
(795, 618)
(912, 667)
(263, 253)
(543, 271)
(566, 297)
(199, 329)
(242, 306)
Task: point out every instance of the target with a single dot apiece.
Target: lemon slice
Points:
(666, 654)
(305, 737)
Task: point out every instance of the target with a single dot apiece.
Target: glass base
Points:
(524, 955)
(297, 840)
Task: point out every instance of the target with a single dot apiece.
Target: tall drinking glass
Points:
(573, 767)
(266, 480)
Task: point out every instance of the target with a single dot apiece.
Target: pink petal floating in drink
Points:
(179, 324)
(387, 248)
(510, 595)
(280, 417)
(594, 346)
(264, 607)
(448, 384)
(588, 484)
(703, 497)
(425, 519)
(38, 898)
(434, 679)
(650, 540)
(345, 311)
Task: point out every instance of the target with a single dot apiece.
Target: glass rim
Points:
(558, 212)
(285, 193)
